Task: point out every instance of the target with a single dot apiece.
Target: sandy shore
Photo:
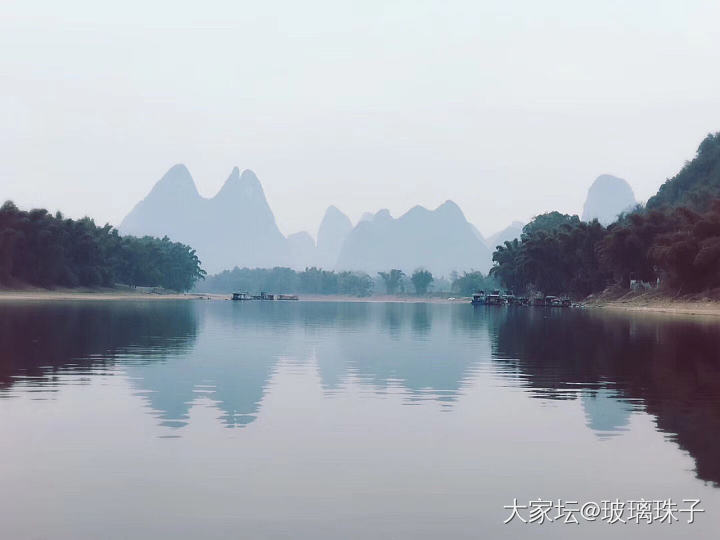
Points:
(91, 294)
(654, 302)
(675, 308)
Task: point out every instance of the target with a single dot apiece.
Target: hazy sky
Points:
(508, 108)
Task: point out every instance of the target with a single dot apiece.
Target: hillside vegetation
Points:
(697, 183)
(40, 249)
(675, 239)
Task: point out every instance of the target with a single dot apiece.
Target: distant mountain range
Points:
(440, 240)
(334, 229)
(508, 234)
(236, 227)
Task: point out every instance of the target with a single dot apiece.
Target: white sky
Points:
(508, 108)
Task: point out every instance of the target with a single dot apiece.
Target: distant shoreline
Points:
(635, 303)
(385, 298)
(39, 294)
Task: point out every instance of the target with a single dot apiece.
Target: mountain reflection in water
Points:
(176, 351)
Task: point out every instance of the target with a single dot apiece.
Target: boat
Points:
(478, 299)
(495, 299)
(555, 301)
(263, 296)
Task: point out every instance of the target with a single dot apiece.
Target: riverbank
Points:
(39, 294)
(384, 298)
(706, 303)
(147, 293)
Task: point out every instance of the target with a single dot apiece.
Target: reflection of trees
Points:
(39, 340)
(670, 367)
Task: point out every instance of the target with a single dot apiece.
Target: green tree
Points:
(471, 282)
(421, 280)
(549, 221)
(41, 249)
(698, 182)
(392, 279)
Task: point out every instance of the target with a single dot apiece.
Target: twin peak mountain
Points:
(236, 227)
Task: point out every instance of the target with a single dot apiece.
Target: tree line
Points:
(678, 246)
(286, 280)
(46, 250)
(674, 239)
(314, 280)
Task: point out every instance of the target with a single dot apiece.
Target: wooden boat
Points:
(478, 299)
(241, 296)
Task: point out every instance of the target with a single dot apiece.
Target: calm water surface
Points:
(348, 420)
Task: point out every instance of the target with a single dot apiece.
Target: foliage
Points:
(286, 280)
(625, 249)
(559, 260)
(688, 255)
(697, 183)
(549, 222)
(421, 280)
(392, 279)
(471, 282)
(41, 249)
(678, 245)
(675, 238)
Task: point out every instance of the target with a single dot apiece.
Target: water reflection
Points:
(228, 352)
(607, 414)
(618, 363)
(40, 341)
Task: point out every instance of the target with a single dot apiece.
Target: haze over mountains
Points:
(439, 240)
(607, 198)
(334, 229)
(236, 227)
(508, 234)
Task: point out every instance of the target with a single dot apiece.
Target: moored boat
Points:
(494, 300)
